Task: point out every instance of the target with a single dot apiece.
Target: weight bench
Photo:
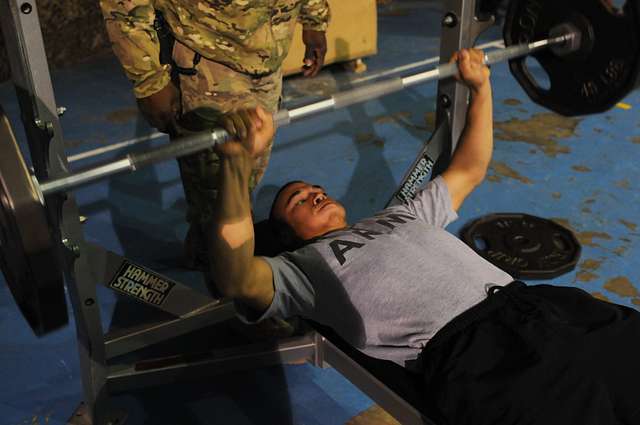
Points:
(401, 392)
(391, 386)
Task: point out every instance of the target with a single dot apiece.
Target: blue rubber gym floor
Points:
(579, 171)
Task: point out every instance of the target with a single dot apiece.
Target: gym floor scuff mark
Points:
(37, 419)
(587, 270)
(564, 223)
(623, 184)
(122, 116)
(500, 170)
(512, 102)
(430, 120)
(585, 237)
(403, 119)
(621, 286)
(369, 138)
(542, 130)
(581, 168)
(629, 225)
(619, 251)
(600, 296)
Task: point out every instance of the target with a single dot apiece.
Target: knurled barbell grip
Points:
(184, 146)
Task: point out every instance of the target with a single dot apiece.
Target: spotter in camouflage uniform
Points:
(223, 55)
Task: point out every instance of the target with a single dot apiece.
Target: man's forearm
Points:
(235, 270)
(476, 143)
(230, 233)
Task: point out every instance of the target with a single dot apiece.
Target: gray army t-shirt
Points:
(388, 283)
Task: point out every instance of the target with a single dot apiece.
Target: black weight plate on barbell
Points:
(523, 245)
(28, 255)
(594, 78)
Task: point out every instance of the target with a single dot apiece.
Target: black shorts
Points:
(542, 355)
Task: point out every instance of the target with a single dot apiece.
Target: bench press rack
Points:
(86, 264)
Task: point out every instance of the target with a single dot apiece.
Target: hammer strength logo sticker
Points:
(141, 283)
(415, 179)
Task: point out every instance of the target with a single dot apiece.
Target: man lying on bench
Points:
(399, 287)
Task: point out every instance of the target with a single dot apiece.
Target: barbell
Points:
(193, 143)
(571, 44)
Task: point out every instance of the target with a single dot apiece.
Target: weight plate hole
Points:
(480, 243)
(537, 73)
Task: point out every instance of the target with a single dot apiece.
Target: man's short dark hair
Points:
(283, 232)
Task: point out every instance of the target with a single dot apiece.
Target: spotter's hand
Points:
(251, 131)
(471, 69)
(315, 50)
(161, 109)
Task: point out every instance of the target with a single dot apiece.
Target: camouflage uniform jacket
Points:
(249, 36)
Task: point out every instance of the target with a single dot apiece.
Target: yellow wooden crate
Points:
(352, 34)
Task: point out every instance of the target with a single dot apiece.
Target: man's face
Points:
(309, 211)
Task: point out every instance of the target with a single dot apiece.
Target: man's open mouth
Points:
(323, 204)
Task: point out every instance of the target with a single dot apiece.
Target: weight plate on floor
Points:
(596, 76)
(525, 246)
(28, 256)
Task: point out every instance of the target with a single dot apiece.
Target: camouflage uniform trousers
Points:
(216, 87)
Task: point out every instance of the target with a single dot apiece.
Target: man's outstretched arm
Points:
(235, 270)
(471, 159)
